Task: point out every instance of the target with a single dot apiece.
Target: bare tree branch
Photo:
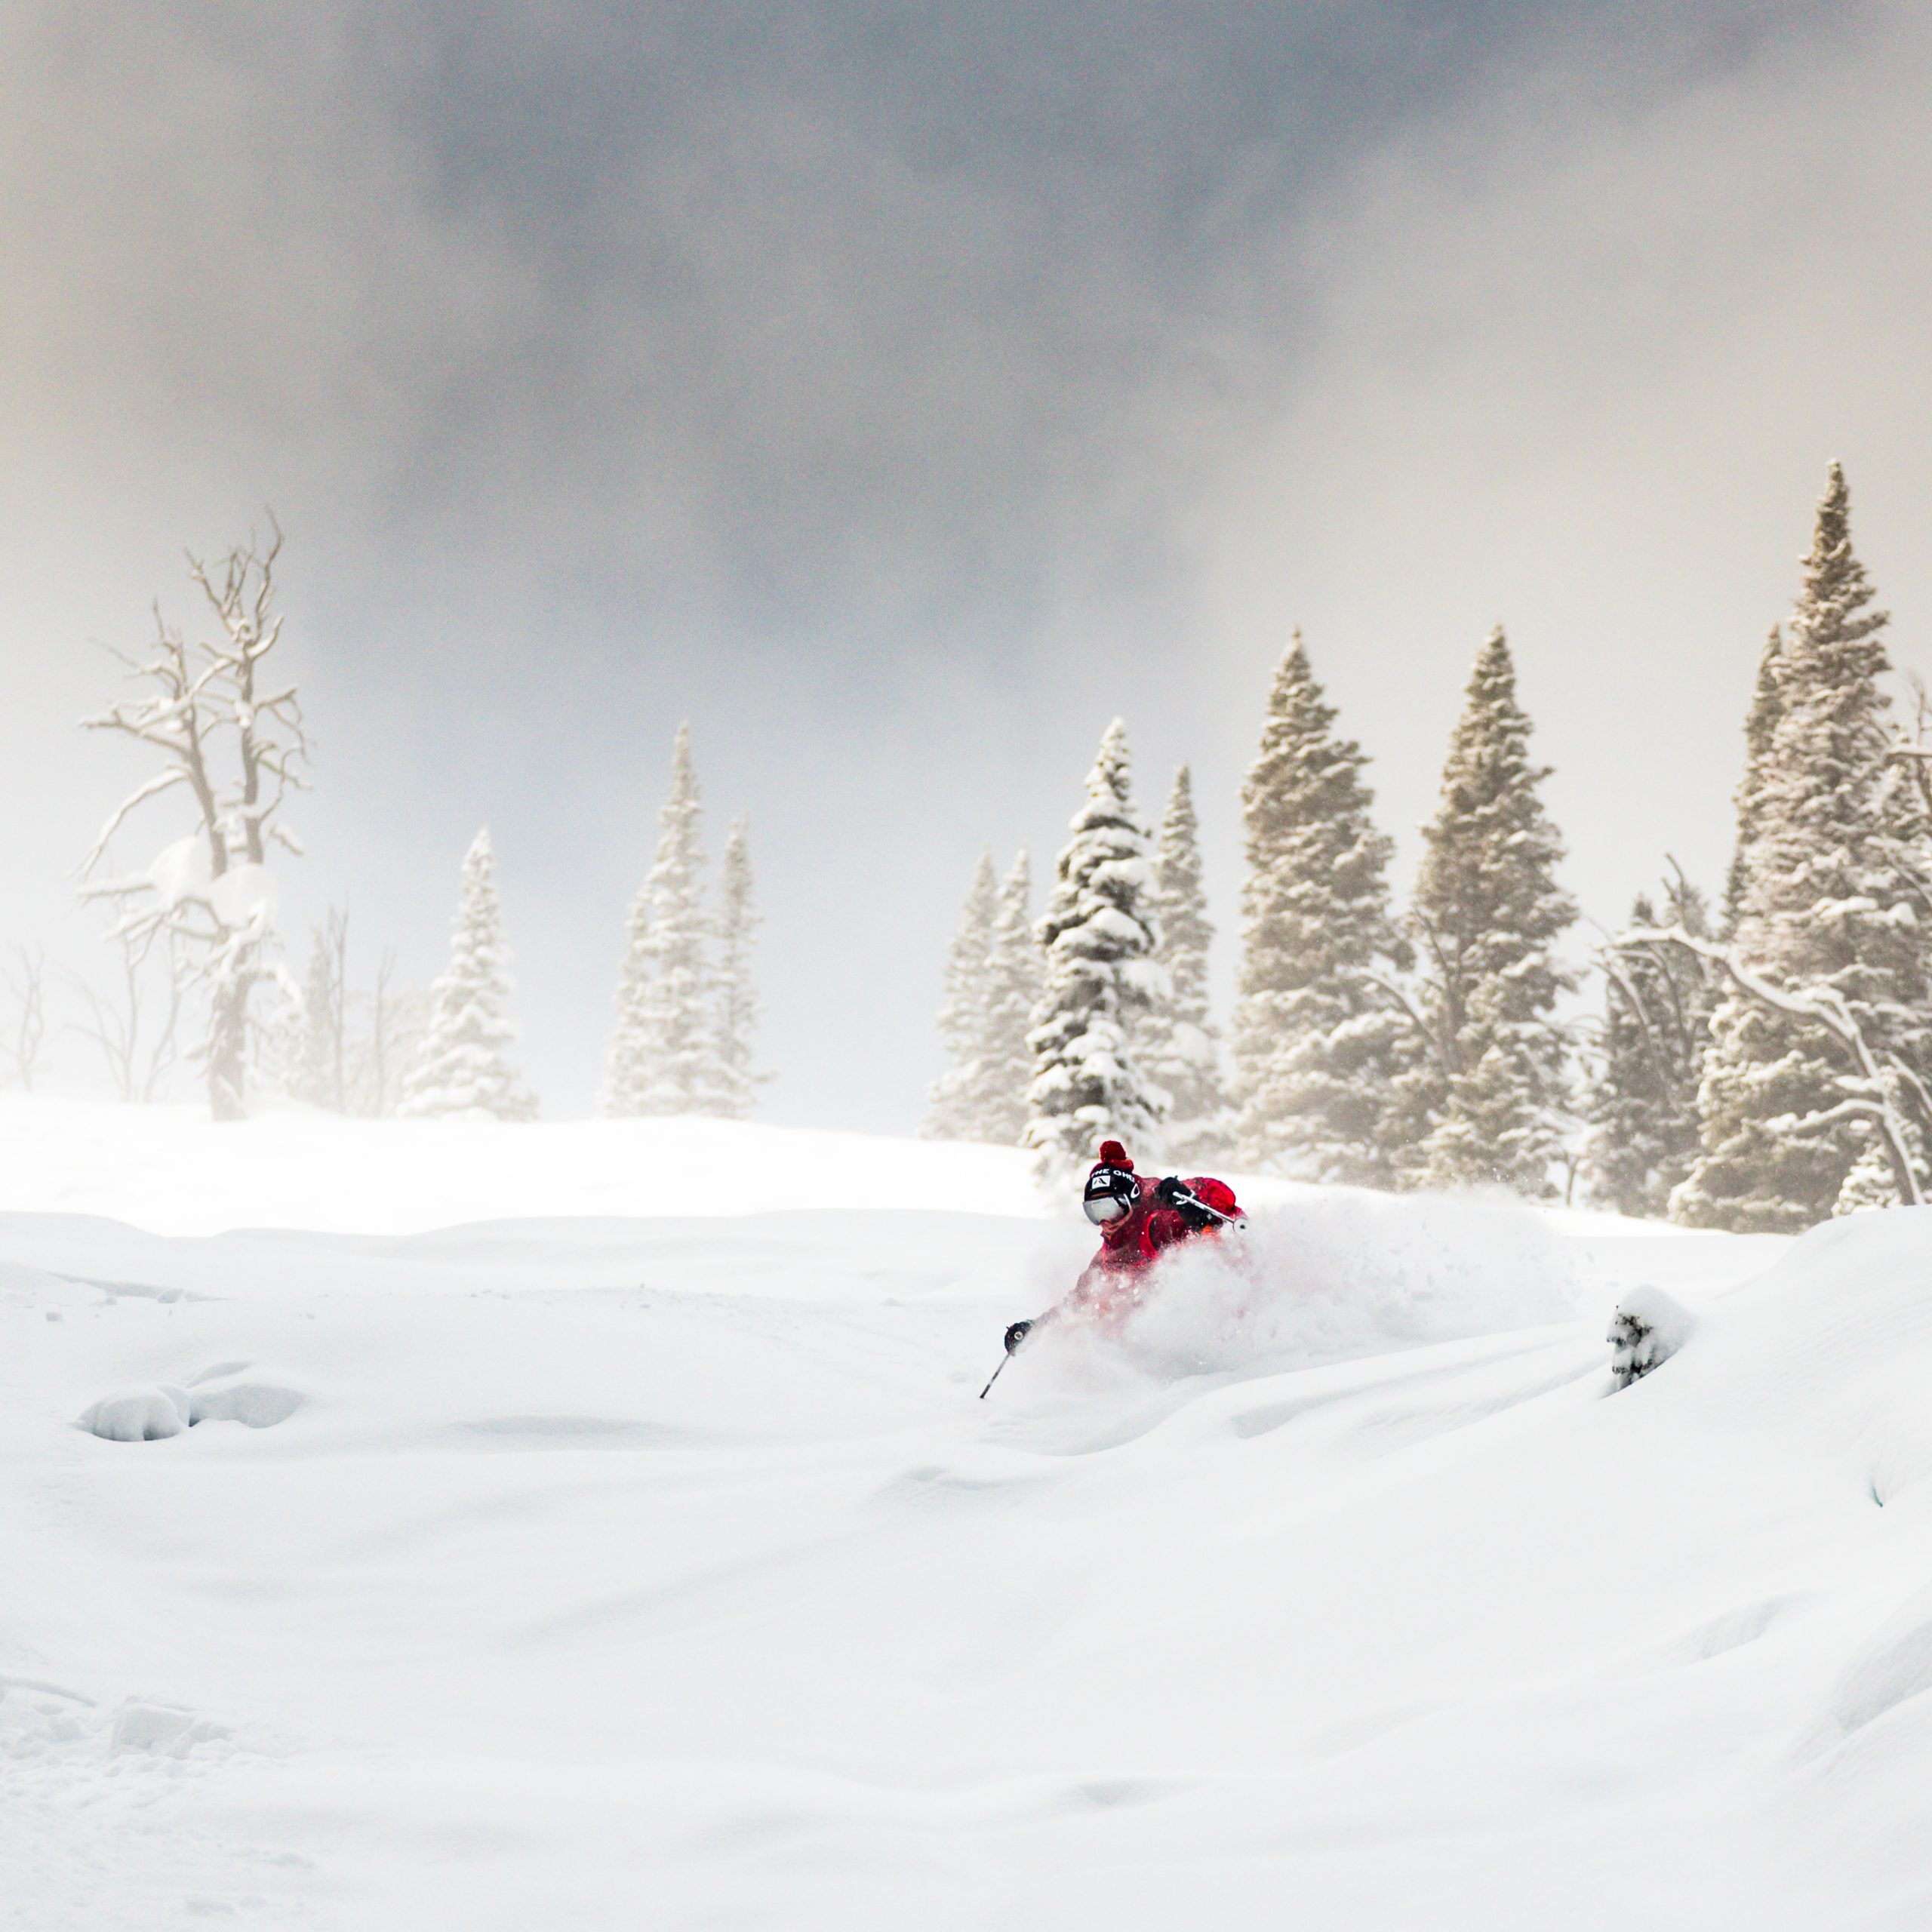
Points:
(1869, 1094)
(190, 704)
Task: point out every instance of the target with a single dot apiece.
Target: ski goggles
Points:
(1111, 1194)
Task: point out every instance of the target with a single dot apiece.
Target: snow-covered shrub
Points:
(1648, 1329)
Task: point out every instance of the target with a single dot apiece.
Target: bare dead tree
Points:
(386, 1062)
(26, 1032)
(139, 1039)
(231, 738)
(321, 1067)
(336, 938)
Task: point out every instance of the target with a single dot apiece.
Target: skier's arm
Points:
(1175, 1194)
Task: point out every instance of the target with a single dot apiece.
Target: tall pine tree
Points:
(1177, 1045)
(952, 1106)
(1487, 1101)
(1015, 973)
(1317, 1046)
(660, 1058)
(1641, 1099)
(734, 997)
(1835, 883)
(1100, 935)
(1760, 722)
(463, 1066)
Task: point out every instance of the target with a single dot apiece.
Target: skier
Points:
(1139, 1220)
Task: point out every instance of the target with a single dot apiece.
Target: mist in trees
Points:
(1758, 1066)
(1319, 1039)
(687, 1008)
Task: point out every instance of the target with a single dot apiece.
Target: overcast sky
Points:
(898, 392)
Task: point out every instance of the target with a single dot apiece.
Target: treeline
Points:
(686, 1006)
(1759, 1068)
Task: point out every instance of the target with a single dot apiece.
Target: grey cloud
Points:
(900, 390)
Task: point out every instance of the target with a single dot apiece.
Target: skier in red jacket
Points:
(1139, 1220)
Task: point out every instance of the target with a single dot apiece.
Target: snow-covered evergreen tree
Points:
(1316, 1044)
(462, 1063)
(1835, 883)
(661, 1055)
(1641, 1099)
(1015, 973)
(1178, 1047)
(951, 1105)
(1487, 912)
(1760, 722)
(736, 996)
(1101, 935)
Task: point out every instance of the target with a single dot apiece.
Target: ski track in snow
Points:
(590, 1565)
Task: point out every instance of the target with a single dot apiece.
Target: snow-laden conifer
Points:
(1760, 722)
(1485, 1104)
(462, 1064)
(661, 1055)
(1316, 1044)
(735, 1084)
(1641, 1101)
(951, 1109)
(1178, 1048)
(1100, 935)
(1015, 970)
(1835, 889)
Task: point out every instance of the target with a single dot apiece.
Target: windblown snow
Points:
(424, 1524)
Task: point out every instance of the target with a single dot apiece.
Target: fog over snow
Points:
(899, 393)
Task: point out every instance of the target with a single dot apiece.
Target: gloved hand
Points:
(1016, 1334)
(1175, 1193)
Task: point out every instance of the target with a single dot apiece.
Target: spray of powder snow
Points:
(1333, 1274)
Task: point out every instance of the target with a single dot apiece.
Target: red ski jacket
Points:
(1109, 1284)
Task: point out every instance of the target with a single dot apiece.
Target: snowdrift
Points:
(614, 1571)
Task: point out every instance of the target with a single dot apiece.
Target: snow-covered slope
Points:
(608, 1572)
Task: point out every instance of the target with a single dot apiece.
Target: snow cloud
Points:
(871, 384)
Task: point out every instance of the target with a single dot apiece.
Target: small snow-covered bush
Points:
(1648, 1328)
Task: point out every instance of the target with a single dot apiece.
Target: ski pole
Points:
(995, 1376)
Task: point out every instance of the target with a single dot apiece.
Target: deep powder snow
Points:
(549, 1538)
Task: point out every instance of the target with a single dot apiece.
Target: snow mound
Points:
(149, 1414)
(162, 1731)
(158, 1411)
(1894, 1664)
(227, 1393)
